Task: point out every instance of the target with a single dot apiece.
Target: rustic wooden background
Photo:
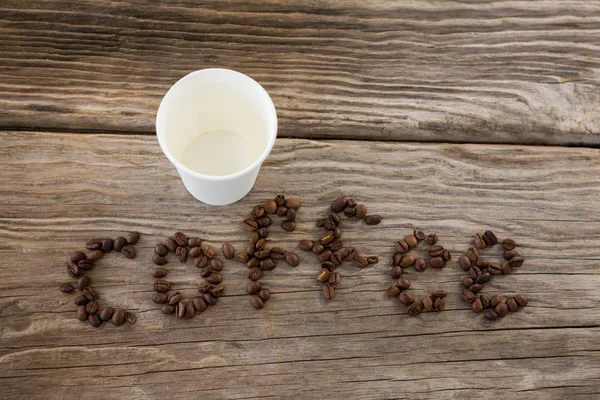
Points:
(506, 92)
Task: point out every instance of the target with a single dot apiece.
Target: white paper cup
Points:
(217, 126)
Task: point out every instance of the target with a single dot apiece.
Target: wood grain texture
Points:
(460, 71)
(59, 190)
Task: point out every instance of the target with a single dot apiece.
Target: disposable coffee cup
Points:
(217, 126)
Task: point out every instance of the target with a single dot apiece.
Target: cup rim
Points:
(178, 165)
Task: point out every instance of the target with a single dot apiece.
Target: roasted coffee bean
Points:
(334, 278)
(265, 294)
(472, 254)
(420, 235)
(208, 251)
(282, 211)
(482, 263)
(323, 275)
(106, 313)
(351, 203)
(206, 271)
(372, 260)
(218, 290)
(335, 219)
(160, 298)
(251, 249)
(95, 255)
(329, 225)
(253, 287)
(161, 250)
(494, 269)
(81, 300)
(490, 238)
(395, 272)
(475, 287)
(336, 245)
(396, 258)
(324, 256)
(82, 314)
(291, 214)
(162, 286)
(190, 311)
(228, 251)
(254, 274)
(360, 261)
(174, 298)
(194, 251)
(514, 262)
(337, 259)
(85, 265)
(321, 222)
(360, 211)
(91, 293)
(306, 245)
(194, 242)
(401, 246)
(437, 262)
(258, 212)
(328, 265)
(280, 199)
(478, 241)
(91, 307)
(216, 264)
(262, 254)
(467, 296)
(83, 282)
(495, 300)
(128, 251)
(294, 204)
(393, 291)
(501, 309)
(506, 268)
(318, 248)
(158, 260)
(411, 240)
(338, 205)
(349, 253)
(439, 294)
(327, 238)
(277, 253)
(328, 292)
(415, 309)
(484, 278)
(420, 264)
(508, 254)
(94, 320)
(204, 287)
(484, 301)
(474, 272)
(93, 244)
(406, 298)
(171, 245)
(349, 212)
(264, 222)
(372, 219)
(199, 304)
(402, 283)
(267, 264)
(427, 303)
(467, 282)
(512, 304)
(107, 245)
(288, 226)
(118, 317)
(521, 300)
(119, 243)
(509, 244)
(432, 238)
(214, 278)
(250, 224)
(270, 206)
(256, 302)
(66, 288)
(180, 310)
(292, 259)
(180, 239)
(201, 261)
(436, 250)
(446, 255)
(477, 306)
(337, 232)
(260, 244)
(439, 305)
(77, 256)
(167, 309)
(253, 263)
(133, 238)
(407, 261)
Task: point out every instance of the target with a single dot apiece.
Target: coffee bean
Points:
(217, 264)
(81, 300)
(94, 320)
(336, 245)
(181, 252)
(291, 214)
(257, 302)
(328, 292)
(158, 260)
(467, 296)
(180, 239)
(128, 251)
(119, 243)
(280, 199)
(161, 250)
(338, 205)
(77, 256)
(267, 264)
(271, 206)
(190, 311)
(208, 251)
(328, 265)
(401, 246)
(501, 309)
(482, 263)
(336, 259)
(201, 261)
(91, 293)
(118, 317)
(93, 244)
(484, 278)
(251, 249)
(318, 248)
(360, 261)
(253, 263)
(265, 294)
(437, 262)
(66, 288)
(407, 261)
(83, 282)
(82, 314)
(415, 309)
(495, 300)
(180, 310)
(323, 275)
(349, 253)
(427, 303)
(474, 272)
(372, 219)
(264, 222)
(349, 212)
(228, 251)
(171, 245)
(91, 307)
(218, 290)
(420, 235)
(484, 301)
(204, 287)
(292, 203)
(199, 304)
(432, 238)
(512, 304)
(396, 258)
(133, 238)
(406, 298)
(490, 238)
(260, 244)
(250, 224)
(334, 278)
(393, 291)
(475, 288)
(262, 254)
(516, 261)
(160, 298)
(439, 305)
(439, 294)
(508, 254)
(281, 211)
(436, 251)
(167, 309)
(467, 282)
(321, 222)
(106, 313)
(174, 298)
(372, 260)
(464, 263)
(509, 244)
(402, 283)
(472, 254)
(477, 306)
(292, 259)
(85, 265)
(258, 212)
(420, 264)
(446, 255)
(253, 287)
(521, 300)
(395, 272)
(254, 274)
(478, 241)
(162, 286)
(335, 219)
(506, 268)
(360, 211)
(306, 245)
(95, 255)
(214, 278)
(107, 245)
(494, 269)
(194, 251)
(288, 226)
(411, 241)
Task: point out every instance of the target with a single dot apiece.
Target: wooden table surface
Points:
(450, 117)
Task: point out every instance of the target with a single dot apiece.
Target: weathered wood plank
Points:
(58, 190)
(489, 71)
